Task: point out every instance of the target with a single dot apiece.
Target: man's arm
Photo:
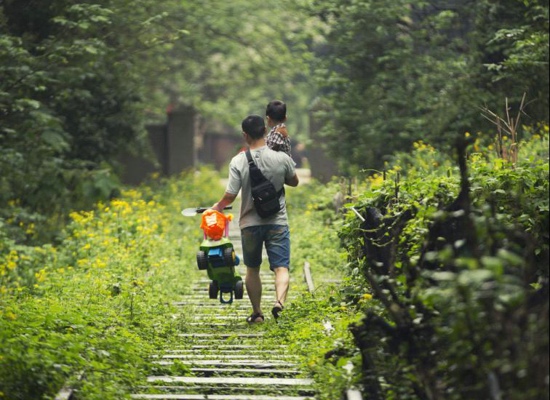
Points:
(292, 181)
(226, 200)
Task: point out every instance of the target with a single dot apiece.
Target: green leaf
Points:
(474, 277)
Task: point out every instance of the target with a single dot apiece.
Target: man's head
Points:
(276, 111)
(254, 126)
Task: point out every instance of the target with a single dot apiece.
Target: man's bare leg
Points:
(254, 289)
(282, 280)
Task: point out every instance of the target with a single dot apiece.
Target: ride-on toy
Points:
(217, 256)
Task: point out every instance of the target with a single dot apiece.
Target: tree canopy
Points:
(81, 79)
(394, 73)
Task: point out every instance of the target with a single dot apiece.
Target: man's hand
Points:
(226, 200)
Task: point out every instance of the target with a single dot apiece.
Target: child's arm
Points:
(282, 130)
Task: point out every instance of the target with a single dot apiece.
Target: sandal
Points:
(255, 318)
(277, 309)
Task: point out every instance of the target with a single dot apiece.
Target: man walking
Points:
(273, 231)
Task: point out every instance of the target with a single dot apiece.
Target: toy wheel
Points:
(239, 290)
(213, 290)
(229, 256)
(202, 260)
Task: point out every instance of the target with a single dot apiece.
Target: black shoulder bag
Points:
(264, 194)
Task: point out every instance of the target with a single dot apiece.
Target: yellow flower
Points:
(376, 180)
(40, 275)
(366, 296)
(11, 316)
(30, 229)
(82, 262)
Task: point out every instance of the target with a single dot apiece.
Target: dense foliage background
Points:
(81, 79)
(395, 73)
(448, 272)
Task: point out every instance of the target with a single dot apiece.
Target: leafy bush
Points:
(95, 306)
(457, 261)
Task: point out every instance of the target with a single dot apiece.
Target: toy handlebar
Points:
(200, 210)
(191, 212)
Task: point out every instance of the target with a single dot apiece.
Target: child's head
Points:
(254, 126)
(276, 111)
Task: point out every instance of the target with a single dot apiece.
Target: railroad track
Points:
(223, 357)
(220, 356)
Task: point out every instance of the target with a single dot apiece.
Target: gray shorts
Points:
(277, 245)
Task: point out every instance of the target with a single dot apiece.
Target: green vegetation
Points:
(444, 296)
(97, 305)
(456, 260)
(80, 80)
(396, 73)
(444, 259)
(463, 312)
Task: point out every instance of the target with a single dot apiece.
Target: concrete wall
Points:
(323, 168)
(181, 153)
(172, 145)
(218, 149)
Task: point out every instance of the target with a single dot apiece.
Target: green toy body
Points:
(218, 258)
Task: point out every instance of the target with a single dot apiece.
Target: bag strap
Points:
(249, 157)
(255, 174)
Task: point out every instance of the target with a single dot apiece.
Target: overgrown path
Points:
(219, 356)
